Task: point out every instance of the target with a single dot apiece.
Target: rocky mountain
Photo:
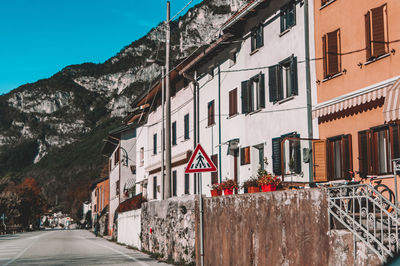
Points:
(42, 119)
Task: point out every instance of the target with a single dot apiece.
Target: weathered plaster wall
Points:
(129, 228)
(275, 228)
(172, 224)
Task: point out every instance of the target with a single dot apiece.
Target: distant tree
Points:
(32, 204)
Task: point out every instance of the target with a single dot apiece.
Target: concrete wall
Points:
(275, 228)
(129, 228)
(168, 228)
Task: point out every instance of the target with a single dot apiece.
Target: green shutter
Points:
(262, 90)
(273, 83)
(276, 156)
(297, 155)
(293, 72)
(245, 95)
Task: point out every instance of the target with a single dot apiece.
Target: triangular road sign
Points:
(200, 162)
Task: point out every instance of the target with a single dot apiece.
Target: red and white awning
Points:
(356, 98)
(391, 109)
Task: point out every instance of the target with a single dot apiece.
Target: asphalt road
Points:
(67, 247)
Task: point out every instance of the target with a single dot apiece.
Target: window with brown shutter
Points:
(319, 161)
(116, 156)
(211, 113)
(331, 53)
(233, 102)
(214, 175)
(376, 32)
(245, 156)
(340, 159)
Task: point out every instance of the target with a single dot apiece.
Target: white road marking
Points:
(25, 249)
(123, 254)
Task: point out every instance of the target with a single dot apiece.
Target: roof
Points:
(94, 183)
(131, 204)
(240, 13)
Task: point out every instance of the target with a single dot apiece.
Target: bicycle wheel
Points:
(386, 192)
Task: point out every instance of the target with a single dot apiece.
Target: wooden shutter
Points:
(347, 158)
(293, 72)
(245, 95)
(247, 155)
(211, 119)
(368, 35)
(174, 133)
(378, 31)
(276, 156)
(186, 125)
(320, 161)
(324, 57)
(273, 83)
(233, 102)
(262, 90)
(214, 175)
(395, 140)
(155, 144)
(174, 183)
(363, 153)
(333, 52)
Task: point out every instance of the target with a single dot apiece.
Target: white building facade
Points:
(253, 94)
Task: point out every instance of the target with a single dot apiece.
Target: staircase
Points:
(371, 218)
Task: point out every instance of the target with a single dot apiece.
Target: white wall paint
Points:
(129, 227)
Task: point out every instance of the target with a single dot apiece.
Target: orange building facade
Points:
(357, 45)
(100, 197)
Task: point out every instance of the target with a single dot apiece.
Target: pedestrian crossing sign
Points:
(200, 162)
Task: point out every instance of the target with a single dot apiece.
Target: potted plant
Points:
(268, 182)
(251, 185)
(216, 190)
(228, 186)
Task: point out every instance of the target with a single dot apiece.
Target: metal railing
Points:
(371, 218)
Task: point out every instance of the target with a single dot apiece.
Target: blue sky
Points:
(40, 37)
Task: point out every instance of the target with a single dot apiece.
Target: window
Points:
(117, 187)
(141, 156)
(376, 32)
(211, 113)
(116, 156)
(253, 94)
(283, 80)
(186, 127)
(154, 187)
(331, 53)
(173, 183)
(214, 175)
(288, 16)
(324, 2)
(232, 58)
(155, 144)
(376, 148)
(339, 152)
(257, 38)
(110, 165)
(186, 183)
(244, 155)
(233, 102)
(292, 151)
(174, 133)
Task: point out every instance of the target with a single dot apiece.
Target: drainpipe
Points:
(219, 125)
(308, 87)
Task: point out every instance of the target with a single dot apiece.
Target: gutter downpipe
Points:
(219, 124)
(162, 131)
(308, 87)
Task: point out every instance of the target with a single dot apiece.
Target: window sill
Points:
(210, 125)
(376, 59)
(285, 31)
(232, 116)
(254, 112)
(285, 100)
(332, 77)
(185, 140)
(327, 4)
(255, 51)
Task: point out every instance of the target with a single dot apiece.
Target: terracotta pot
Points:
(266, 188)
(216, 192)
(228, 191)
(253, 189)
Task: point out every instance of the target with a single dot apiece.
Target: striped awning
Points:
(391, 109)
(356, 98)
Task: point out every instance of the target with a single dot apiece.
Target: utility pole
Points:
(162, 131)
(167, 185)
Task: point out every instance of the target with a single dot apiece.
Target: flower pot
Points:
(253, 189)
(228, 191)
(266, 188)
(216, 192)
